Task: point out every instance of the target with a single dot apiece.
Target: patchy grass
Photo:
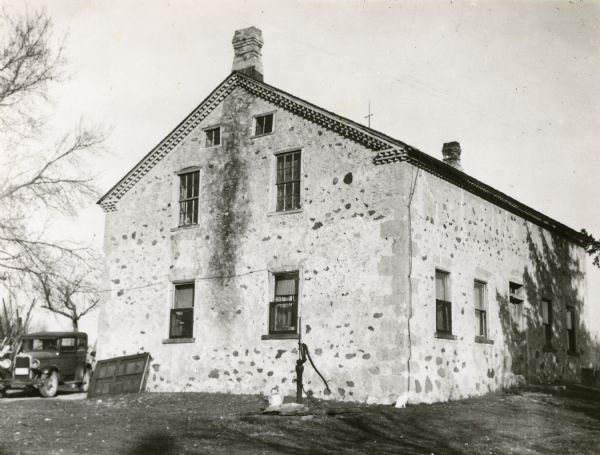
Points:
(526, 422)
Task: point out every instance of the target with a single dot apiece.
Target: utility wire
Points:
(211, 277)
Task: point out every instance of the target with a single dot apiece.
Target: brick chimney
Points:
(451, 154)
(246, 47)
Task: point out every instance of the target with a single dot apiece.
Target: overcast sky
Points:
(516, 83)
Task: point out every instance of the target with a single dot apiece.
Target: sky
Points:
(515, 82)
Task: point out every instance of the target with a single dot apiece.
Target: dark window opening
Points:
(443, 305)
(283, 310)
(263, 125)
(571, 329)
(189, 185)
(213, 136)
(515, 292)
(547, 320)
(288, 181)
(182, 313)
(480, 294)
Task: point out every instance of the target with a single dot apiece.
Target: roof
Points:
(53, 335)
(387, 150)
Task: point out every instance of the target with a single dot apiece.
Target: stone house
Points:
(412, 281)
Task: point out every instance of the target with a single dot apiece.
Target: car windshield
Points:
(36, 344)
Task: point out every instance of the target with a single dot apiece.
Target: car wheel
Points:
(85, 381)
(50, 385)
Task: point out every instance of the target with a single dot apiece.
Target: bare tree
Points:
(70, 293)
(38, 181)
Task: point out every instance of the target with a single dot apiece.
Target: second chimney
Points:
(246, 47)
(451, 154)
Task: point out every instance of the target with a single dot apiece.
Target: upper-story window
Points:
(189, 184)
(213, 136)
(443, 305)
(288, 181)
(263, 124)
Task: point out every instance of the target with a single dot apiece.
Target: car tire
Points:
(50, 386)
(85, 381)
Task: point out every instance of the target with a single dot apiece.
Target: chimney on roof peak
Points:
(247, 43)
(451, 154)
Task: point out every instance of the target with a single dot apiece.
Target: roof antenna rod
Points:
(368, 117)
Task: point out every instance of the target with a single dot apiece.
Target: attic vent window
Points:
(263, 124)
(213, 136)
(515, 292)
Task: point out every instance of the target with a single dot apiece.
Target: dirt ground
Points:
(536, 421)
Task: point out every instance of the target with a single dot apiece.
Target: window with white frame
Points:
(189, 186)
(213, 136)
(263, 124)
(181, 324)
(288, 181)
(283, 309)
(480, 300)
(443, 304)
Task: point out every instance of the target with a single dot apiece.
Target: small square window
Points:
(213, 136)
(263, 124)
(443, 305)
(515, 292)
(283, 310)
(181, 324)
(480, 299)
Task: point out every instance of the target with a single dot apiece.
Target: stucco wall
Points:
(460, 233)
(352, 246)
(349, 243)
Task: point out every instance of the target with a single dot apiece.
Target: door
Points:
(68, 358)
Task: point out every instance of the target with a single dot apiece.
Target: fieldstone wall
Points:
(460, 233)
(367, 243)
(349, 243)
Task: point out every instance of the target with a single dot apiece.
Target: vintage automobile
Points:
(47, 361)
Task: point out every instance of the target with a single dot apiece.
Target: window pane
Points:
(545, 311)
(280, 163)
(441, 285)
(268, 123)
(285, 286)
(260, 126)
(479, 294)
(289, 195)
(184, 296)
(443, 317)
(569, 319)
(182, 323)
(288, 166)
(296, 166)
(296, 202)
(283, 317)
(182, 189)
(481, 317)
